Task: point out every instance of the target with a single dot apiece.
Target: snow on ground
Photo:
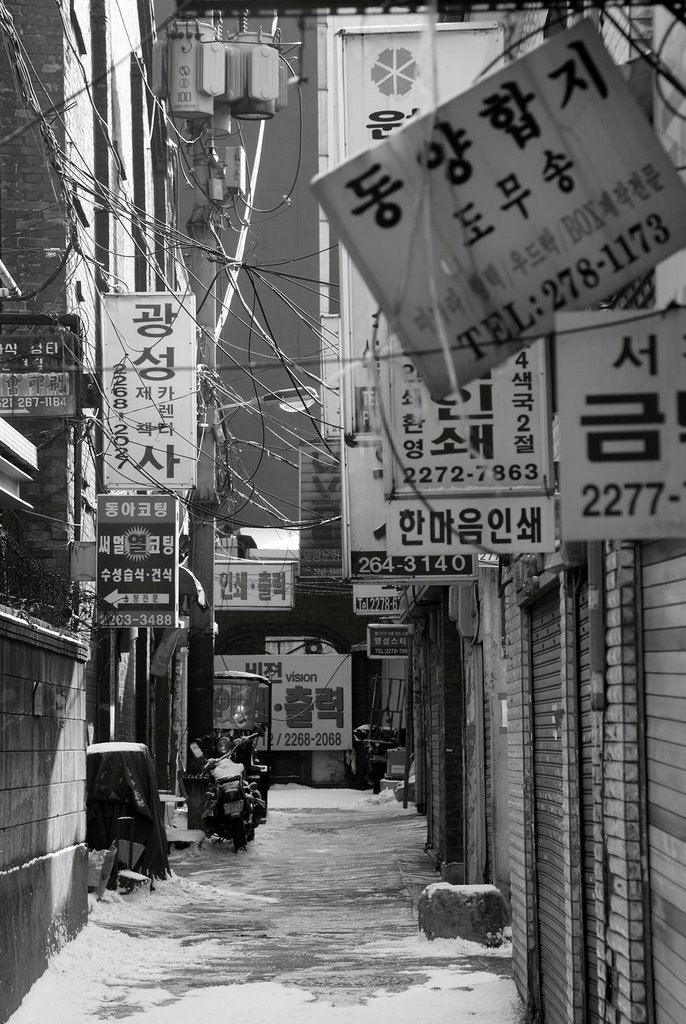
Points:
(108, 973)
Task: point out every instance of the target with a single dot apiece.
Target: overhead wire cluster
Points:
(74, 177)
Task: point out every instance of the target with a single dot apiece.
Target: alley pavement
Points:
(316, 921)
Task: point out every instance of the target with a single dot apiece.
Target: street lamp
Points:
(289, 400)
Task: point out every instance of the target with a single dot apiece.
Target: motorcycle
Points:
(234, 805)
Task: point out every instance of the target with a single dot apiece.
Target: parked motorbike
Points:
(234, 806)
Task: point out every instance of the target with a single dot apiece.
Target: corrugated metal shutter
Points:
(547, 736)
(488, 786)
(664, 641)
(587, 838)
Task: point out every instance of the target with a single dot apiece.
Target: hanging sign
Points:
(244, 584)
(622, 407)
(149, 391)
(543, 187)
(377, 599)
(137, 560)
(387, 640)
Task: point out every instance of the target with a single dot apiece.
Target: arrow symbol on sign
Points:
(116, 598)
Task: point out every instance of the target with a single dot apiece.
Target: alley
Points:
(317, 918)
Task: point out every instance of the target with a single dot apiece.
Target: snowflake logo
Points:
(395, 72)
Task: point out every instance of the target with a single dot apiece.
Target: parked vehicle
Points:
(234, 806)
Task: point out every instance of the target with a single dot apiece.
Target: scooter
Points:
(234, 807)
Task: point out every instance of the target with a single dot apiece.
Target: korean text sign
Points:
(622, 407)
(37, 373)
(149, 384)
(475, 474)
(540, 189)
(311, 697)
(137, 570)
(387, 641)
(246, 584)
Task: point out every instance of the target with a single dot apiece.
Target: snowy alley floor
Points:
(315, 923)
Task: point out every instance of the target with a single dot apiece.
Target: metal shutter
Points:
(549, 856)
(664, 640)
(586, 816)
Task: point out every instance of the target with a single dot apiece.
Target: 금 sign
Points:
(137, 560)
(542, 188)
(149, 408)
(622, 406)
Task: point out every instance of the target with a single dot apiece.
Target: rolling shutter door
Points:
(549, 857)
(587, 838)
(664, 663)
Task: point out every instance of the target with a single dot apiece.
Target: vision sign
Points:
(311, 697)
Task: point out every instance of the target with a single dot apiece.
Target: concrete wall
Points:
(43, 856)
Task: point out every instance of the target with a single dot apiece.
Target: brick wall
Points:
(622, 969)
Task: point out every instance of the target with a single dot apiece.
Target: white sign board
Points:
(311, 697)
(505, 524)
(622, 406)
(495, 438)
(245, 584)
(149, 391)
(376, 599)
(542, 188)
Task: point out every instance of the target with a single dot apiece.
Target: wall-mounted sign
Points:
(137, 560)
(149, 391)
(543, 187)
(241, 584)
(311, 697)
(386, 640)
(376, 599)
(37, 372)
(622, 407)
(388, 74)
(499, 523)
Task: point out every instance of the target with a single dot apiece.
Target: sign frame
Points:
(439, 171)
(388, 640)
(131, 529)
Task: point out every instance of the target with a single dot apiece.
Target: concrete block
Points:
(475, 912)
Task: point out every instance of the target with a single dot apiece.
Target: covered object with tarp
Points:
(120, 783)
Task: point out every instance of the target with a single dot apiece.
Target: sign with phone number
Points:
(413, 566)
(580, 200)
(622, 407)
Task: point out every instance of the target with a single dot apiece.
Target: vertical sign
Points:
(386, 76)
(320, 502)
(622, 406)
(137, 560)
(149, 391)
